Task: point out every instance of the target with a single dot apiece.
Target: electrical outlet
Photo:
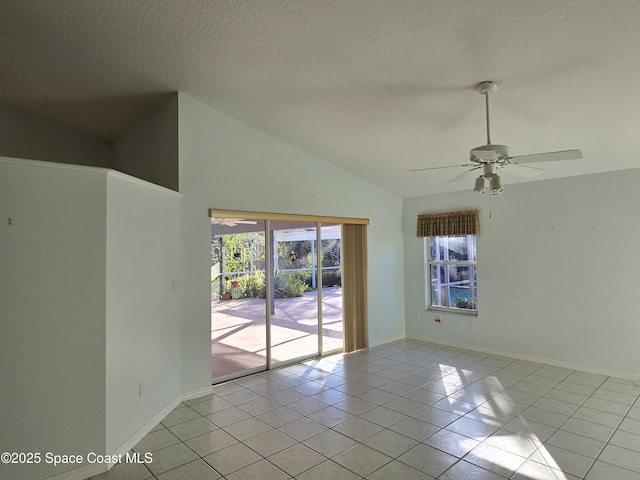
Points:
(141, 388)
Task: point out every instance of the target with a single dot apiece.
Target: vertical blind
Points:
(465, 222)
(354, 285)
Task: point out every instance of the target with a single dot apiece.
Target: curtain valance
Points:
(466, 222)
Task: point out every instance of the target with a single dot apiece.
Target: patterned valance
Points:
(466, 222)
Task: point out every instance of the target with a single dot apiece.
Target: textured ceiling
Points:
(377, 87)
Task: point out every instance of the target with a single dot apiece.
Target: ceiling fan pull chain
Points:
(490, 207)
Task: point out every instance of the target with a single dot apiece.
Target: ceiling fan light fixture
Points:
(496, 185)
(479, 187)
(491, 157)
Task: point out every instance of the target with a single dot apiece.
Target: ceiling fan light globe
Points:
(479, 186)
(496, 185)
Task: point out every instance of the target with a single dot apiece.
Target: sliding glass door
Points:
(238, 297)
(276, 293)
(331, 287)
(294, 318)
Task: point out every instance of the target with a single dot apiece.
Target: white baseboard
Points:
(147, 427)
(530, 358)
(201, 392)
(395, 338)
(96, 469)
(93, 470)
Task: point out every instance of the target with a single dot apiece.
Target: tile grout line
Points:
(405, 359)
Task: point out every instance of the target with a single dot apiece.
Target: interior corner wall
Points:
(27, 137)
(143, 304)
(557, 271)
(149, 147)
(227, 164)
(52, 312)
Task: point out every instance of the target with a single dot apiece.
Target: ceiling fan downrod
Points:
(486, 89)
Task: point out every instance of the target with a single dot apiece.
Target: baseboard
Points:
(395, 338)
(150, 425)
(95, 469)
(147, 427)
(530, 358)
(201, 392)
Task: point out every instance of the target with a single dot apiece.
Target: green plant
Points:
(250, 286)
(306, 278)
(285, 284)
(296, 286)
(469, 303)
(238, 253)
(279, 283)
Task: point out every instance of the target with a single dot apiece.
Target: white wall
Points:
(149, 147)
(143, 309)
(557, 271)
(87, 310)
(227, 164)
(24, 136)
(52, 311)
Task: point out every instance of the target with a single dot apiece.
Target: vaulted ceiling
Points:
(377, 87)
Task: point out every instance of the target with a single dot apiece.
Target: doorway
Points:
(276, 293)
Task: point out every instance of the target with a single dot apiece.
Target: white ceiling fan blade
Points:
(446, 166)
(231, 222)
(547, 157)
(523, 170)
(462, 176)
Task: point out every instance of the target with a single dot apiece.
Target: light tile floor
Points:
(405, 410)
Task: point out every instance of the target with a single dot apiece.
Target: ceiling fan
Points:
(491, 158)
(231, 222)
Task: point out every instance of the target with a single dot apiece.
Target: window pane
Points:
(453, 248)
(294, 318)
(238, 305)
(453, 286)
(332, 331)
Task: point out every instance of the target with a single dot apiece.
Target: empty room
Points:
(355, 239)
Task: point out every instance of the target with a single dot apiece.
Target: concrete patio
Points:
(238, 333)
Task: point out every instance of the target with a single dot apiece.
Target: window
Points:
(451, 273)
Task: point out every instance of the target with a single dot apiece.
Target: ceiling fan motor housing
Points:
(489, 153)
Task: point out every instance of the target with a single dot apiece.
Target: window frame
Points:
(429, 263)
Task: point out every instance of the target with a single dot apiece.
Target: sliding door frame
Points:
(268, 217)
(294, 217)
